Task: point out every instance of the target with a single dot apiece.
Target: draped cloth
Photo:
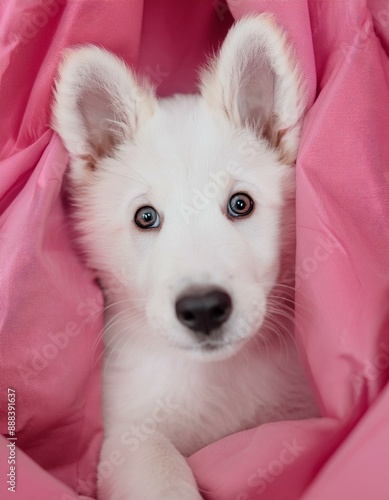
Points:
(51, 309)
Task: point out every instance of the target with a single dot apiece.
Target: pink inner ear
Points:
(101, 120)
(256, 94)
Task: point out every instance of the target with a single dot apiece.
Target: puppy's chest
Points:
(193, 404)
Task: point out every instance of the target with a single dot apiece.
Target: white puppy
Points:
(185, 208)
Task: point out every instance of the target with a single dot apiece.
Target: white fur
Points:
(129, 149)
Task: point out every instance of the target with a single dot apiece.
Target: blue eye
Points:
(240, 205)
(146, 218)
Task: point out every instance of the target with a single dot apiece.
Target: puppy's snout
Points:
(204, 312)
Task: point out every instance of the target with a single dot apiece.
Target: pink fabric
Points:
(50, 309)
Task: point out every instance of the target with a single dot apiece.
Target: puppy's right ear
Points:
(255, 82)
(99, 104)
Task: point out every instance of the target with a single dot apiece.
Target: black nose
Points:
(204, 313)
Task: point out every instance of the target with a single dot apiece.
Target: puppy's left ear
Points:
(255, 82)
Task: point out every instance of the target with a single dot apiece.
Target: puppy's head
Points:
(182, 200)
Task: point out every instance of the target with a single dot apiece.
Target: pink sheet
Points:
(50, 309)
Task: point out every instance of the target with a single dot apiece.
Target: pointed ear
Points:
(98, 105)
(255, 82)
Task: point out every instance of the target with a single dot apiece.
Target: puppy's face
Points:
(182, 201)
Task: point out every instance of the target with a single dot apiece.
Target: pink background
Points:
(50, 308)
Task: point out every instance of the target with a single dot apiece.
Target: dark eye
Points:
(147, 218)
(240, 205)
